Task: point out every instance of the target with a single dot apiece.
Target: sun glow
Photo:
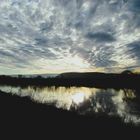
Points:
(67, 64)
(78, 97)
(77, 61)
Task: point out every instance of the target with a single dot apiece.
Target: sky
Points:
(54, 36)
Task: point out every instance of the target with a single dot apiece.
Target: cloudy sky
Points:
(53, 36)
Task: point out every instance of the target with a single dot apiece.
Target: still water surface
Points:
(122, 103)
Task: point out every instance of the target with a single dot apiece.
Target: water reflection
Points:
(123, 103)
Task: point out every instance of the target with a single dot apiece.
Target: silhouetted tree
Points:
(20, 76)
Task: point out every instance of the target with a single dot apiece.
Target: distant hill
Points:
(94, 74)
(80, 75)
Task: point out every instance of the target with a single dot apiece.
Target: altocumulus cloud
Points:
(38, 36)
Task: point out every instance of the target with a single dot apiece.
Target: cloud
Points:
(100, 37)
(43, 34)
(134, 5)
(134, 49)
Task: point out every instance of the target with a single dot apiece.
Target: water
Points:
(36, 75)
(122, 103)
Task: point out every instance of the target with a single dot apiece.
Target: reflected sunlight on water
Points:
(84, 100)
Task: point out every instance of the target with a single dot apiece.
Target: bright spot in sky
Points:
(78, 97)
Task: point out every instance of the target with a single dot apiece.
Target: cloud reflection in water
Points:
(85, 100)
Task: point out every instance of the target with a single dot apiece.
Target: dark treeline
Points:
(97, 80)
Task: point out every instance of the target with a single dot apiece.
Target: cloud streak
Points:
(38, 36)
